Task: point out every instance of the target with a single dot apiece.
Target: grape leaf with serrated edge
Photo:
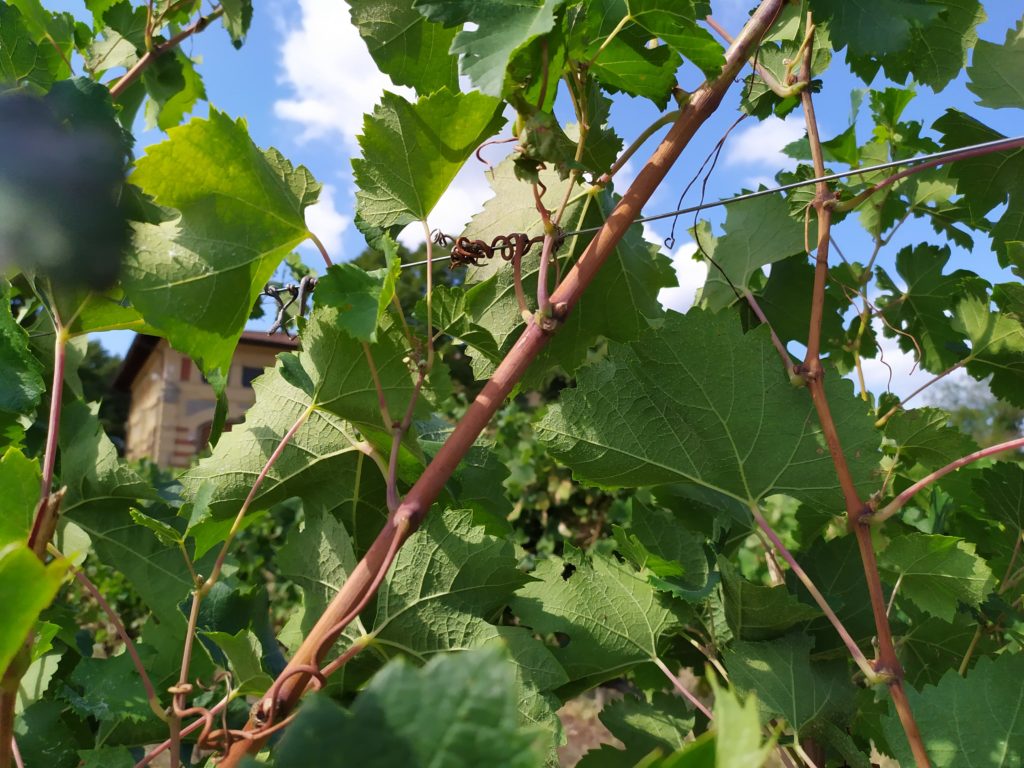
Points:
(936, 573)
(991, 74)
(919, 309)
(242, 211)
(758, 232)
(756, 612)
(788, 683)
(500, 29)
(406, 46)
(613, 618)
(688, 384)
(987, 709)
(997, 347)
(433, 145)
(923, 435)
(452, 712)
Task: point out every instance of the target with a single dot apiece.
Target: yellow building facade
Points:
(172, 406)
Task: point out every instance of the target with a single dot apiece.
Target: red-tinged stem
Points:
(543, 300)
(323, 251)
(902, 403)
(44, 521)
(678, 685)
(382, 401)
(667, 119)
(888, 663)
(180, 691)
(787, 363)
(43, 524)
(148, 57)
(133, 653)
(190, 728)
(510, 371)
(781, 90)
(851, 644)
(897, 504)
(16, 753)
(853, 202)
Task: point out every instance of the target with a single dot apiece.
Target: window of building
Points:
(248, 374)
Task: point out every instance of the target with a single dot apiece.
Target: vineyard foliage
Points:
(707, 511)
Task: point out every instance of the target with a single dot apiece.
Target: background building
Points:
(172, 405)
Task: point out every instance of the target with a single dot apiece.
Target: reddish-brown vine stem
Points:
(148, 57)
(887, 662)
(896, 504)
(414, 508)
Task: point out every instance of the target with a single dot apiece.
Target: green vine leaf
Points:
(716, 411)
(322, 462)
(446, 583)
(237, 18)
(359, 298)
(919, 310)
(988, 181)
(605, 618)
(922, 435)
(997, 347)
(673, 557)
(243, 650)
(19, 488)
(937, 573)
(991, 69)
(643, 727)
(788, 684)
(452, 712)
(675, 23)
(758, 232)
(621, 61)
(26, 588)
(22, 388)
(760, 613)
(241, 212)
(318, 557)
(434, 146)
(406, 46)
(22, 61)
(928, 39)
(987, 709)
(501, 28)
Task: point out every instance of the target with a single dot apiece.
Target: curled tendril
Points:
(510, 247)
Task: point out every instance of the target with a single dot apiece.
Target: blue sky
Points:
(304, 79)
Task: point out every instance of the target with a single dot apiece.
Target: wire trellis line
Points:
(1008, 143)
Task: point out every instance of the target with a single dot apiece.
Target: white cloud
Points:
(330, 73)
(690, 274)
(761, 144)
(327, 223)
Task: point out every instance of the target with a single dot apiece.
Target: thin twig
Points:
(148, 57)
(133, 653)
(851, 645)
(897, 504)
(382, 401)
(779, 89)
(322, 249)
(179, 692)
(787, 362)
(667, 119)
(902, 403)
(678, 685)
